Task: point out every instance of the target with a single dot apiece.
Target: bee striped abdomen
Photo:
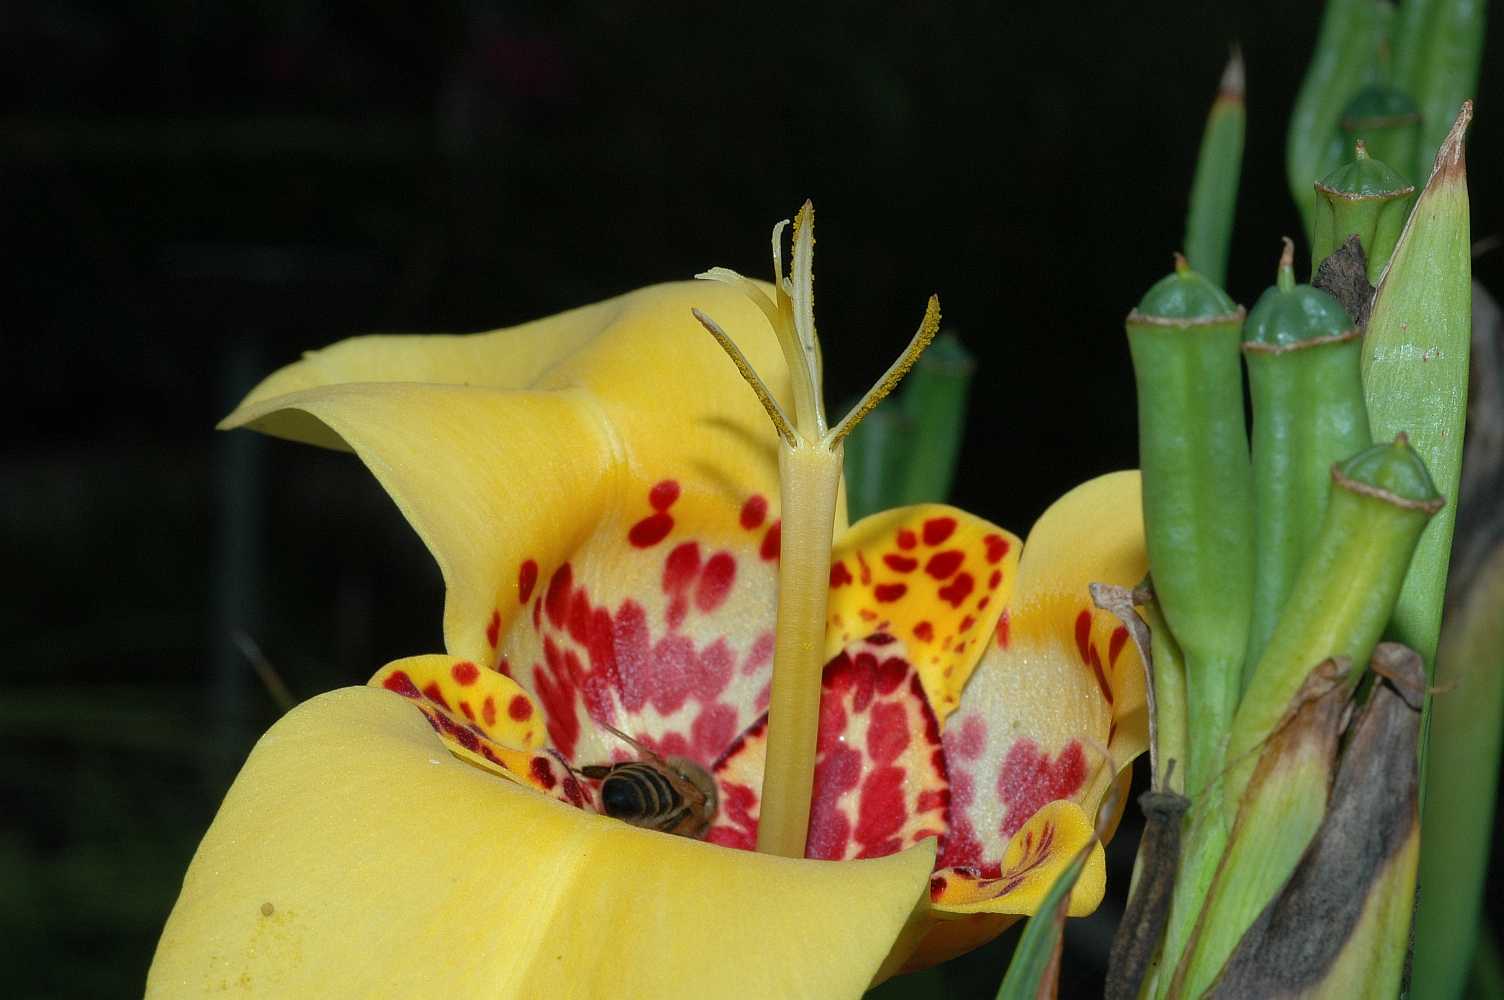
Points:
(672, 796)
(639, 794)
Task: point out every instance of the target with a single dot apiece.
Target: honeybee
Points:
(671, 795)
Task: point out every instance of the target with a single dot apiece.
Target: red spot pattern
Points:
(771, 541)
(650, 530)
(938, 529)
(906, 539)
(432, 693)
(527, 578)
(464, 673)
(997, 547)
(754, 511)
(542, 772)
(1003, 630)
(924, 632)
(1029, 779)
(839, 574)
(957, 590)
(493, 630)
(1083, 635)
(880, 777)
(889, 592)
(715, 582)
(900, 564)
(519, 708)
(942, 565)
(399, 682)
(612, 662)
(488, 711)
(1089, 655)
(1115, 645)
(663, 494)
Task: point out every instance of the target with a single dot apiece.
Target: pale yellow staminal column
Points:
(809, 464)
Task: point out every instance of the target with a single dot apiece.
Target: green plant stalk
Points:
(1284, 806)
(1205, 841)
(1344, 595)
(1458, 816)
(1438, 52)
(1169, 698)
(934, 403)
(1035, 965)
(1415, 370)
(1308, 412)
(1214, 189)
(875, 453)
(1365, 197)
(1197, 489)
(1339, 67)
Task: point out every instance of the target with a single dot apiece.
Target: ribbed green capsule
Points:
(1365, 197)
(1308, 413)
(1386, 119)
(1198, 494)
(1381, 500)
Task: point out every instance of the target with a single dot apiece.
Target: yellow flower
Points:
(601, 492)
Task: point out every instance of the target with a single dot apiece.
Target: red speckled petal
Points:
(935, 578)
(1036, 855)
(456, 709)
(1059, 684)
(880, 783)
(493, 705)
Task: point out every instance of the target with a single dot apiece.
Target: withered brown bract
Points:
(1372, 817)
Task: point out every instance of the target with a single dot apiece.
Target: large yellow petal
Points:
(354, 856)
(610, 437)
(1059, 685)
(490, 479)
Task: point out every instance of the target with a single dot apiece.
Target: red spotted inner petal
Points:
(880, 782)
(541, 769)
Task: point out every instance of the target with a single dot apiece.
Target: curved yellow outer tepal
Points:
(529, 440)
(403, 872)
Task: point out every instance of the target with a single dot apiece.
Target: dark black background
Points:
(191, 194)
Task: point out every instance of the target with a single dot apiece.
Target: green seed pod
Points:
(1366, 197)
(1381, 499)
(1198, 494)
(1386, 119)
(1214, 190)
(1308, 412)
(1340, 65)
